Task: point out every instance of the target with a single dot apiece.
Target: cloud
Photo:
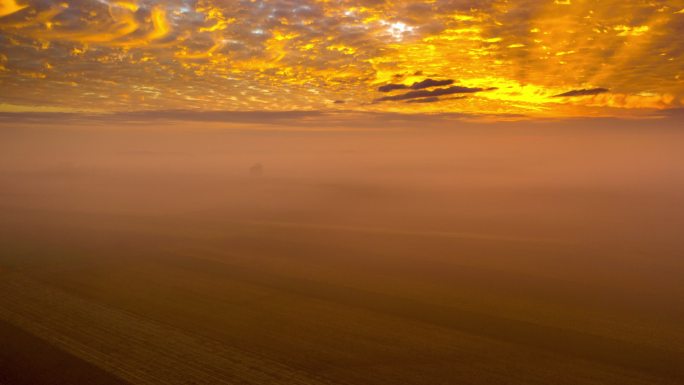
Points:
(582, 92)
(632, 101)
(8, 7)
(434, 99)
(303, 54)
(427, 83)
(430, 99)
(432, 93)
(292, 119)
(392, 87)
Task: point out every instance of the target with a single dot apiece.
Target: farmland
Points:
(338, 277)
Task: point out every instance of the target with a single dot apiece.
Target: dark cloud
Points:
(582, 92)
(392, 87)
(432, 93)
(434, 99)
(427, 83)
(430, 99)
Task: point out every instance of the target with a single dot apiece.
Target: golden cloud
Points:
(287, 54)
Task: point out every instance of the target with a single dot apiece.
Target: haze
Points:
(450, 252)
(348, 192)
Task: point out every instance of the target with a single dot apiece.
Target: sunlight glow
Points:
(613, 57)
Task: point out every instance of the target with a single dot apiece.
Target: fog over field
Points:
(399, 252)
(352, 192)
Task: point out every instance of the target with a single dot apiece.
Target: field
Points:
(519, 256)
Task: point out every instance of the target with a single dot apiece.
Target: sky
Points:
(532, 58)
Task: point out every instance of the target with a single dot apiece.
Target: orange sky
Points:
(538, 58)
